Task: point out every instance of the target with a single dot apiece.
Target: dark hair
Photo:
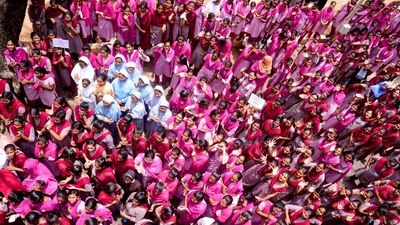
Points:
(73, 192)
(91, 203)
(86, 47)
(167, 212)
(36, 196)
(25, 63)
(176, 150)
(35, 111)
(141, 197)
(60, 114)
(150, 153)
(214, 113)
(102, 77)
(98, 124)
(76, 169)
(228, 199)
(159, 186)
(123, 153)
(69, 153)
(203, 144)
(117, 43)
(198, 176)
(199, 195)
(84, 105)
(101, 161)
(32, 217)
(52, 218)
(128, 118)
(19, 119)
(188, 132)
(184, 94)
(78, 126)
(16, 197)
(174, 172)
(8, 95)
(42, 138)
(105, 48)
(247, 214)
(91, 221)
(216, 175)
(62, 194)
(34, 33)
(91, 141)
(9, 147)
(183, 60)
(111, 187)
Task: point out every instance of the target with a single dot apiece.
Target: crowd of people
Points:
(91, 138)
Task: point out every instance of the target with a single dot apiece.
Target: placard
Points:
(256, 101)
(60, 43)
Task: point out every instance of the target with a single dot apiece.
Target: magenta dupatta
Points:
(196, 209)
(17, 55)
(50, 150)
(162, 197)
(211, 65)
(34, 168)
(233, 188)
(22, 208)
(84, 10)
(211, 188)
(26, 75)
(192, 186)
(153, 169)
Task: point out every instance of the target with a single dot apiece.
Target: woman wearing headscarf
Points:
(37, 171)
(145, 88)
(85, 93)
(158, 117)
(157, 96)
(109, 112)
(135, 107)
(262, 68)
(83, 69)
(117, 65)
(122, 87)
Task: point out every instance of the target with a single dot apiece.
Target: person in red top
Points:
(377, 168)
(121, 161)
(125, 127)
(16, 159)
(143, 17)
(10, 108)
(136, 143)
(159, 142)
(37, 119)
(104, 174)
(158, 24)
(84, 114)
(274, 108)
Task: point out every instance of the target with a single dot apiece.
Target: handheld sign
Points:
(60, 43)
(256, 101)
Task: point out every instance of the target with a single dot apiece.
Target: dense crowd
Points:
(92, 138)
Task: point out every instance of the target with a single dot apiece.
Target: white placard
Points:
(256, 101)
(60, 43)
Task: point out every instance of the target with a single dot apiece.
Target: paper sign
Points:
(256, 101)
(60, 43)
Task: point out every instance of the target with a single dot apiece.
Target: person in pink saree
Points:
(148, 165)
(192, 207)
(106, 15)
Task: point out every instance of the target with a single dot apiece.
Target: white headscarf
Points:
(145, 79)
(79, 73)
